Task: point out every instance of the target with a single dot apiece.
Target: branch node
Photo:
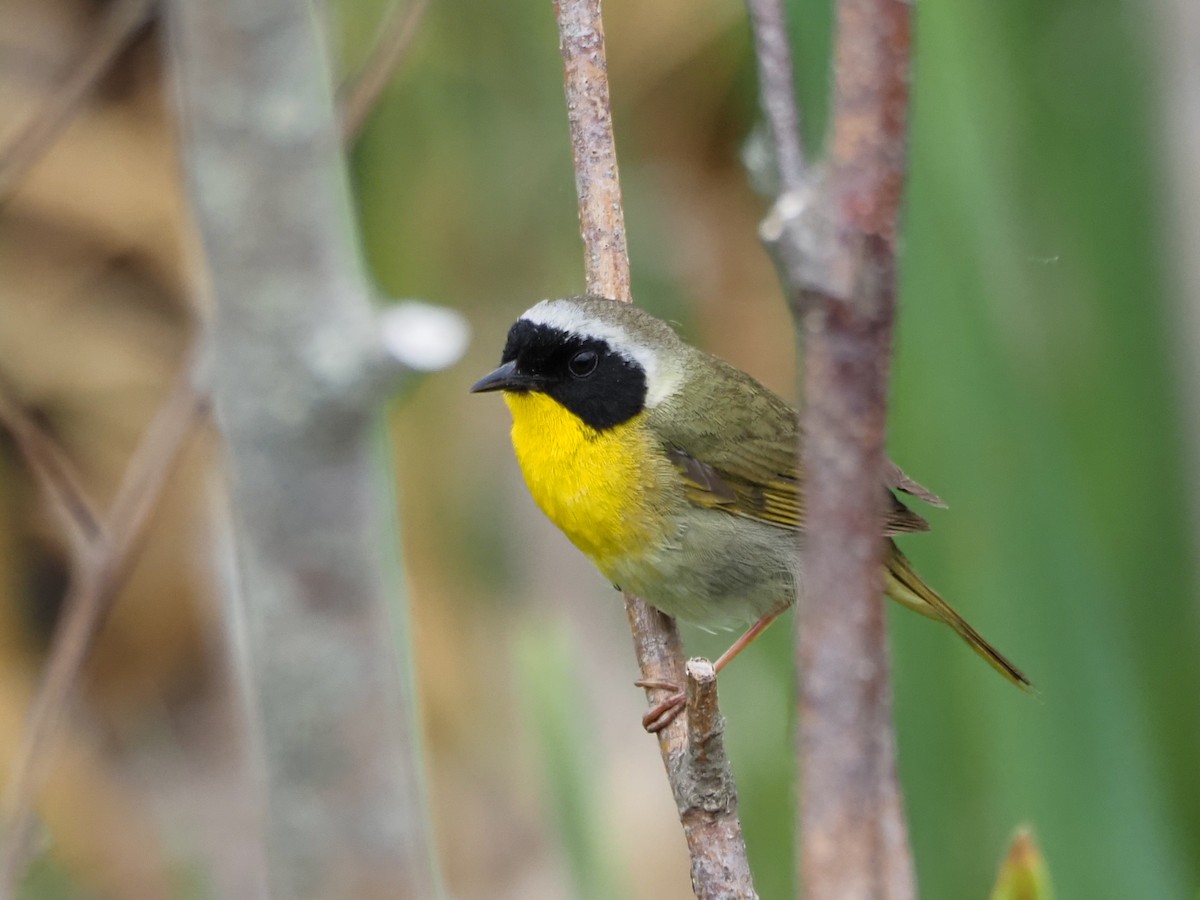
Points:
(800, 231)
(419, 337)
(704, 718)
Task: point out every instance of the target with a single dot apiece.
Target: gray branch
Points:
(296, 378)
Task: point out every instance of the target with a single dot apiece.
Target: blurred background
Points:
(1040, 387)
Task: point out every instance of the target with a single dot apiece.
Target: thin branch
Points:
(834, 241)
(594, 149)
(358, 97)
(690, 746)
(122, 20)
(54, 473)
(95, 584)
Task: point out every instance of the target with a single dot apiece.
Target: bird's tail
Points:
(905, 586)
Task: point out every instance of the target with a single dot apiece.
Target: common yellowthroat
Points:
(676, 473)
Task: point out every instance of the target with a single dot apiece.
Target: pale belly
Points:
(716, 571)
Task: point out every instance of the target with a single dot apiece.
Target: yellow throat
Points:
(591, 484)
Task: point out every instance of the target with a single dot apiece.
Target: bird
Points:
(678, 474)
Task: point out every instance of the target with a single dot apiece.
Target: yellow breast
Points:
(591, 484)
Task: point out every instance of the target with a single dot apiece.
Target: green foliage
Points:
(1033, 390)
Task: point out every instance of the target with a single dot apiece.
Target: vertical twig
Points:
(691, 746)
(296, 390)
(834, 241)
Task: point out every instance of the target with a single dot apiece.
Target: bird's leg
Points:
(744, 641)
(665, 712)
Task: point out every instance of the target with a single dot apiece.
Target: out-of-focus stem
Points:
(833, 234)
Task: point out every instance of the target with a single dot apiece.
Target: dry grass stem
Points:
(121, 21)
(54, 474)
(358, 97)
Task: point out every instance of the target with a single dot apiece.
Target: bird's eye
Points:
(583, 363)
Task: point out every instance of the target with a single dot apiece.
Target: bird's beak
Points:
(505, 378)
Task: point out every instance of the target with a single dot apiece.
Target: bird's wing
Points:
(746, 463)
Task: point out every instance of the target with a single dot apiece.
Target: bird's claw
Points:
(653, 684)
(666, 711)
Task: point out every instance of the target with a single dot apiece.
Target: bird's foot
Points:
(665, 712)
